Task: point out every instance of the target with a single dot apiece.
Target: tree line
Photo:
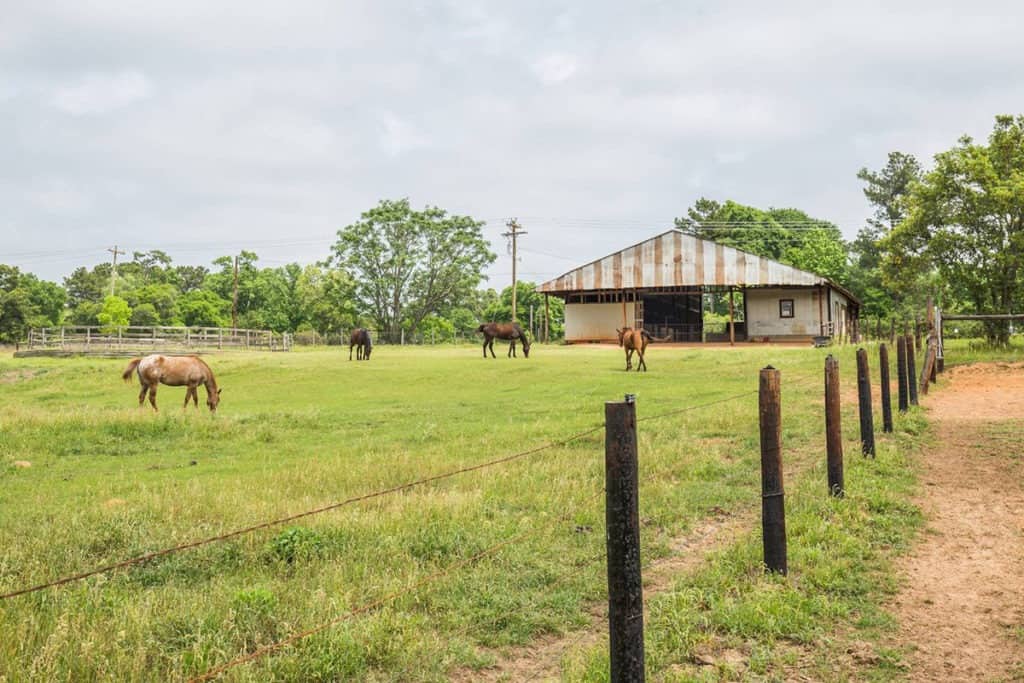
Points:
(954, 231)
(397, 270)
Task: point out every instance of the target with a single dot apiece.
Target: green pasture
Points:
(299, 430)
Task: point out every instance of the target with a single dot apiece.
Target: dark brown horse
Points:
(510, 331)
(174, 371)
(361, 340)
(636, 340)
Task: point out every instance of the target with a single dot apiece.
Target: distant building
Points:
(658, 285)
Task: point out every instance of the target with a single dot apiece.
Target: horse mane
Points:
(366, 338)
(522, 334)
(209, 370)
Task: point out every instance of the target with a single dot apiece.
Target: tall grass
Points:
(295, 431)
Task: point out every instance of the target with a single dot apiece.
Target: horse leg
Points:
(142, 394)
(350, 351)
(490, 345)
(188, 395)
(152, 397)
(641, 363)
(629, 359)
(511, 349)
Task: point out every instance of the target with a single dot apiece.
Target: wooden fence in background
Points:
(135, 339)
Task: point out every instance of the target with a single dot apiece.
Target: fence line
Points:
(140, 338)
(379, 602)
(276, 522)
(349, 501)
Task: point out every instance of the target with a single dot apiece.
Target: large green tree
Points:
(26, 301)
(408, 264)
(787, 235)
(886, 190)
(965, 220)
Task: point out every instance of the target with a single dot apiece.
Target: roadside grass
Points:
(296, 431)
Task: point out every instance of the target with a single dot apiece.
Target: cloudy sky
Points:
(202, 128)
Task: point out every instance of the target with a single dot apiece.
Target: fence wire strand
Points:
(276, 522)
(379, 602)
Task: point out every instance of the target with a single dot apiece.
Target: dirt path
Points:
(962, 609)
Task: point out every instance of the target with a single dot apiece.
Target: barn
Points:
(663, 285)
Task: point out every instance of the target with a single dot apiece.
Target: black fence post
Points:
(883, 365)
(773, 497)
(622, 517)
(867, 426)
(833, 428)
(911, 371)
(901, 373)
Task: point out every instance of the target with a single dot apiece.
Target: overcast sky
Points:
(202, 128)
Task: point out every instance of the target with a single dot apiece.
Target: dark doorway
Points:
(676, 316)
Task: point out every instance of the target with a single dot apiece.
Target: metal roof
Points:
(677, 259)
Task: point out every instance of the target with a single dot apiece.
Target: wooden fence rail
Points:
(153, 338)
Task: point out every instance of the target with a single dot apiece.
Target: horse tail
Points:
(127, 374)
(648, 337)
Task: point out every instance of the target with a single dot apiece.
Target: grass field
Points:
(295, 431)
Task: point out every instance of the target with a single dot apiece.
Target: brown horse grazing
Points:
(636, 340)
(361, 340)
(174, 371)
(510, 331)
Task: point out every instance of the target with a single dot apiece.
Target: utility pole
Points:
(514, 231)
(234, 299)
(113, 271)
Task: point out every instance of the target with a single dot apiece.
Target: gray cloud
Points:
(205, 128)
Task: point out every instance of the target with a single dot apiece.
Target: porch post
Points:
(821, 311)
(732, 327)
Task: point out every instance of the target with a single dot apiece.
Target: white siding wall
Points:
(595, 321)
(763, 312)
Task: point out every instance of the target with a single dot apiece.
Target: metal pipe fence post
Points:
(901, 372)
(622, 520)
(883, 365)
(833, 428)
(911, 371)
(867, 426)
(773, 497)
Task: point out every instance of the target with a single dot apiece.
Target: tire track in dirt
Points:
(961, 611)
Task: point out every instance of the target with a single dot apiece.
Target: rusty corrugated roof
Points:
(676, 259)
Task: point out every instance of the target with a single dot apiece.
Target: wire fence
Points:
(394, 595)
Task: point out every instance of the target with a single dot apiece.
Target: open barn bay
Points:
(417, 582)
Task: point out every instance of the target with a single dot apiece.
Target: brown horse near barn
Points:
(636, 340)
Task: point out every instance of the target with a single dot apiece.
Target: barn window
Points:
(785, 308)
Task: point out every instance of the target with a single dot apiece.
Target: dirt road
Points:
(961, 612)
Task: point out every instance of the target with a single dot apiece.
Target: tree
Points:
(326, 298)
(965, 219)
(886, 190)
(203, 308)
(786, 235)
(26, 301)
(190, 278)
(115, 313)
(500, 310)
(84, 285)
(409, 264)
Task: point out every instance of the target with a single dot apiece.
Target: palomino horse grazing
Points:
(174, 371)
(636, 340)
(510, 331)
(361, 340)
